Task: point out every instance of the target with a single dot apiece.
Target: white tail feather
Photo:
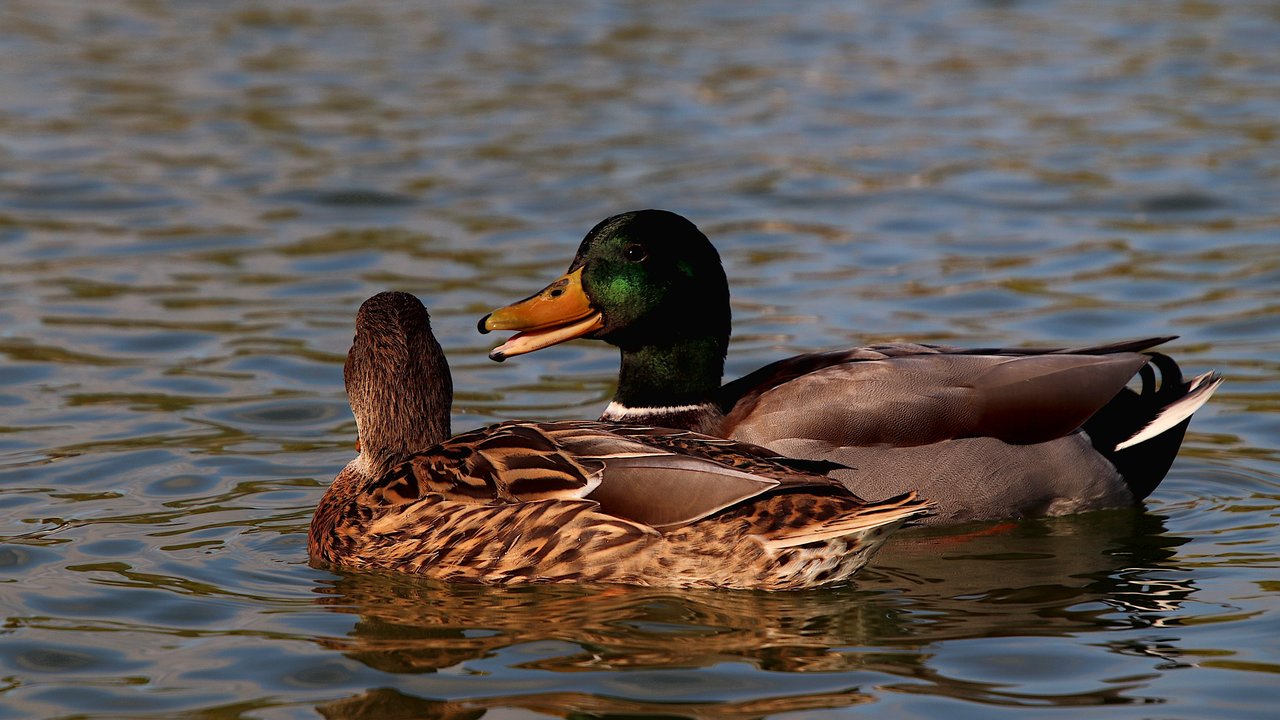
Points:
(1199, 391)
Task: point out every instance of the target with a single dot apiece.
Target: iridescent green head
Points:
(640, 279)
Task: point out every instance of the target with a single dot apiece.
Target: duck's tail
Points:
(1140, 431)
(870, 518)
(822, 550)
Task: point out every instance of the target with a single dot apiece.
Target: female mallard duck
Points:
(522, 502)
(985, 434)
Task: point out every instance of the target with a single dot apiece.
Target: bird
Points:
(570, 501)
(986, 434)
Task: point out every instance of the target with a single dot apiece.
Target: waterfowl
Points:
(986, 434)
(521, 502)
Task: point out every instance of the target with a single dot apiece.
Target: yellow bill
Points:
(561, 311)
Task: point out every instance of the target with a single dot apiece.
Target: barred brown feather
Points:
(570, 501)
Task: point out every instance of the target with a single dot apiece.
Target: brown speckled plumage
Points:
(522, 502)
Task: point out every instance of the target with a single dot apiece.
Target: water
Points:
(195, 197)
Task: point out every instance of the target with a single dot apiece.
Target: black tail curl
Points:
(1144, 465)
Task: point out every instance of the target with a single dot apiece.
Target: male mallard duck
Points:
(986, 434)
(521, 502)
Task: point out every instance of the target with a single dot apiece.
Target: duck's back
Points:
(933, 397)
(575, 501)
(985, 434)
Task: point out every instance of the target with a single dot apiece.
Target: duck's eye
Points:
(635, 253)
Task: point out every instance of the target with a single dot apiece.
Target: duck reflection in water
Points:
(1089, 573)
(391, 704)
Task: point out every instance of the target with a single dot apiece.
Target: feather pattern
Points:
(985, 434)
(571, 501)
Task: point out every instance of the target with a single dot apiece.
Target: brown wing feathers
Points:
(670, 478)
(514, 503)
(523, 502)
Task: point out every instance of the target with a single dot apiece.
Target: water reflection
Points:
(390, 704)
(1097, 571)
(408, 625)
(1094, 573)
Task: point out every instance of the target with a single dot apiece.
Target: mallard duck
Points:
(521, 502)
(985, 434)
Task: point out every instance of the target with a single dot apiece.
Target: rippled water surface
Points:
(196, 196)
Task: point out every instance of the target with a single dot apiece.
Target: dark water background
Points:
(196, 196)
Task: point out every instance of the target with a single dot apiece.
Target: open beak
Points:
(554, 314)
